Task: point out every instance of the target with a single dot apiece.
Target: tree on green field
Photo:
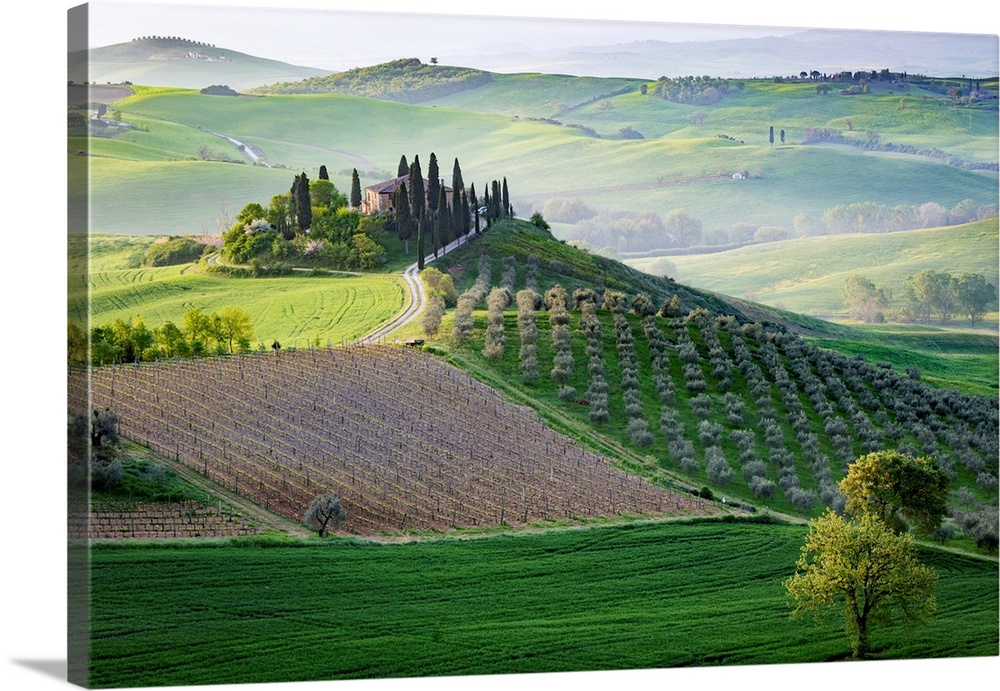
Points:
(782, 136)
(929, 291)
(433, 313)
(76, 344)
(898, 490)
(236, 327)
(770, 136)
(439, 284)
(507, 211)
(864, 300)
(323, 174)
(323, 193)
(325, 512)
(973, 294)
(866, 571)
(355, 189)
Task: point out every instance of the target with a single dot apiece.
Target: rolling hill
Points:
(179, 62)
(805, 275)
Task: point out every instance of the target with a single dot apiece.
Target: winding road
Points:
(417, 295)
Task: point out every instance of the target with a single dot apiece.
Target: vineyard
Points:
(130, 520)
(406, 441)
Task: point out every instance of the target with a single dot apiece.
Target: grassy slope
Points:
(805, 275)
(539, 160)
(293, 309)
(639, 596)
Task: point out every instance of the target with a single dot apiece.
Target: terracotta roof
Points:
(391, 185)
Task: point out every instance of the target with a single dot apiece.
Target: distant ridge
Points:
(180, 62)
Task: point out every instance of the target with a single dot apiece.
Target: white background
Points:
(33, 299)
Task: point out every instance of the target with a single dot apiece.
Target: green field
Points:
(637, 596)
(296, 310)
(805, 275)
(489, 130)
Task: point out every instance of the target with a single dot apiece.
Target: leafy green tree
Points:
(864, 300)
(236, 327)
(325, 512)
(355, 189)
(866, 571)
(897, 489)
(929, 291)
(973, 294)
(323, 193)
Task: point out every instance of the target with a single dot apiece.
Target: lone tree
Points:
(862, 568)
(324, 512)
(897, 489)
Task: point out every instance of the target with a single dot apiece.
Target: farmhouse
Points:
(378, 197)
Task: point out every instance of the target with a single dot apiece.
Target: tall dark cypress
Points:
(418, 208)
(355, 189)
(456, 179)
(443, 220)
(323, 175)
(404, 167)
(474, 207)
(506, 201)
(301, 201)
(464, 208)
(403, 217)
(433, 184)
(488, 205)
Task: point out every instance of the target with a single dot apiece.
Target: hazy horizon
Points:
(338, 39)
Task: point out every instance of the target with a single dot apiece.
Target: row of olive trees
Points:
(471, 299)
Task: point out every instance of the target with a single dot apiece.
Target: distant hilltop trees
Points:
(175, 39)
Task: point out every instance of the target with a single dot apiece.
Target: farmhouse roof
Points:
(391, 185)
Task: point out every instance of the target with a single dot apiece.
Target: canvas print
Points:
(415, 346)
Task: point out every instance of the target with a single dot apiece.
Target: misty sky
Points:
(345, 39)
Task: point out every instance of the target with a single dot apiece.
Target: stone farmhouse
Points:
(378, 197)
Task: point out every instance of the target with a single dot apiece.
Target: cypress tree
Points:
(465, 215)
(770, 136)
(404, 167)
(301, 201)
(433, 184)
(474, 208)
(456, 179)
(403, 218)
(488, 205)
(418, 207)
(443, 220)
(323, 175)
(506, 201)
(355, 189)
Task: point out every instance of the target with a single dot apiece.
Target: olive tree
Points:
(325, 511)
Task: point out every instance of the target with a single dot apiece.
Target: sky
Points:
(313, 36)
(33, 597)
